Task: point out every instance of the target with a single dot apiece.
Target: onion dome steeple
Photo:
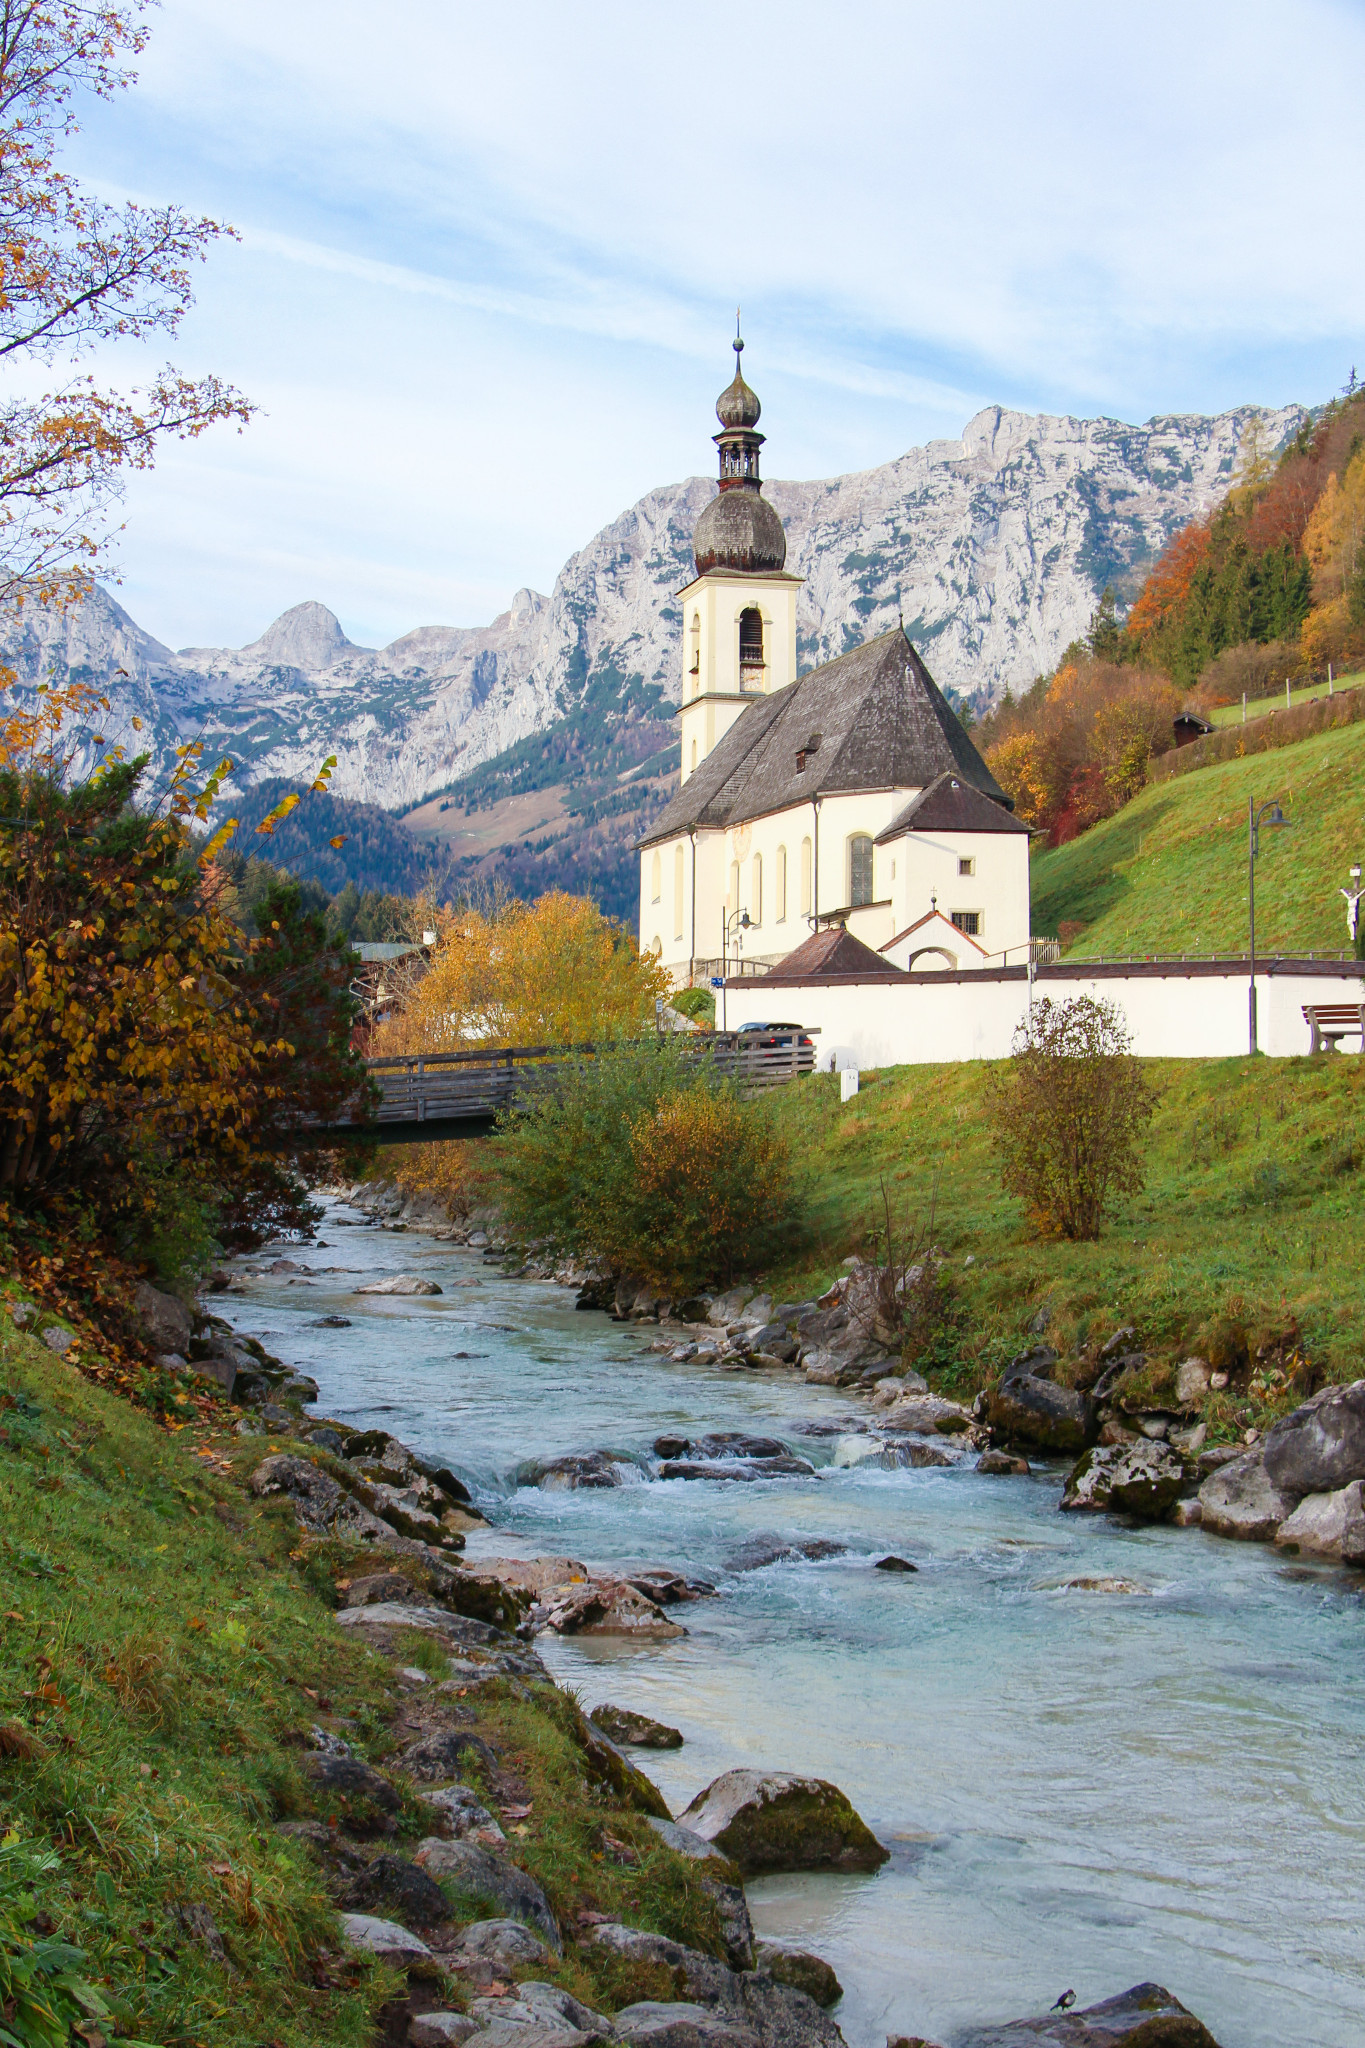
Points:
(739, 529)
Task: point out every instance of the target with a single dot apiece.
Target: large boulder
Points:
(1328, 1525)
(320, 1505)
(776, 2015)
(480, 1874)
(800, 1970)
(392, 1885)
(926, 1415)
(654, 2023)
(624, 1724)
(578, 1469)
(1321, 1446)
(1148, 2016)
(1038, 1412)
(1241, 1499)
(607, 1607)
(382, 1938)
(506, 1944)
(400, 1283)
(165, 1320)
(769, 1820)
(362, 1796)
(1141, 1478)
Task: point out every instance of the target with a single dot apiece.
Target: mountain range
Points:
(538, 745)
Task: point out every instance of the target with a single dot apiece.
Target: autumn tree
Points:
(555, 972)
(77, 275)
(150, 1053)
(1069, 1113)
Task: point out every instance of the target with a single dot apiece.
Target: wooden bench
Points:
(1330, 1022)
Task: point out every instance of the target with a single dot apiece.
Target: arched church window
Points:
(694, 757)
(859, 869)
(780, 889)
(750, 648)
(756, 891)
(656, 879)
(805, 878)
(678, 892)
(694, 659)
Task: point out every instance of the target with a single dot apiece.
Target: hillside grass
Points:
(166, 1644)
(1261, 707)
(1168, 873)
(1245, 1239)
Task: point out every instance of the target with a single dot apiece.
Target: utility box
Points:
(848, 1084)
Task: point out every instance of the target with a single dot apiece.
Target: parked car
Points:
(777, 1034)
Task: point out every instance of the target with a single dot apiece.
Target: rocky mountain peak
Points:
(306, 637)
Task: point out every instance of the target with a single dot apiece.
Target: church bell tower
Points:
(739, 612)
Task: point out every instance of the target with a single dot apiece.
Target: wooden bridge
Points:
(424, 1096)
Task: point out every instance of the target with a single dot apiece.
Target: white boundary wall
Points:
(1171, 1015)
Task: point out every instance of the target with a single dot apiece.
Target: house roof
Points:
(877, 719)
(832, 951)
(952, 804)
(936, 917)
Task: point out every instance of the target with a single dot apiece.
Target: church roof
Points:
(832, 951)
(951, 804)
(871, 719)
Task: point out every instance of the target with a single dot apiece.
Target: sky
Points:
(489, 259)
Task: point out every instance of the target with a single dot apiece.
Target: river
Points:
(1079, 1790)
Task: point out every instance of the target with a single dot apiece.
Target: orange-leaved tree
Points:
(555, 972)
(140, 1032)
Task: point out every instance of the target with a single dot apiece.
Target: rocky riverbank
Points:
(1134, 1428)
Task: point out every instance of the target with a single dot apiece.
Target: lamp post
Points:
(1268, 814)
(740, 921)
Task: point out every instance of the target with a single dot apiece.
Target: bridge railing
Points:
(479, 1083)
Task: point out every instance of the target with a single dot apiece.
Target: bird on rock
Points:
(1064, 2003)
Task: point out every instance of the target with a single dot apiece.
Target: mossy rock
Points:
(767, 1820)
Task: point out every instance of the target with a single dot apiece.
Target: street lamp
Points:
(1269, 814)
(739, 919)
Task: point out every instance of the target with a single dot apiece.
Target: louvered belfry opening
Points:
(751, 648)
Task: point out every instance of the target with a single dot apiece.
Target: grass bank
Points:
(1246, 1239)
(1168, 873)
(166, 1646)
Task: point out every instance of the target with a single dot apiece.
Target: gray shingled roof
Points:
(832, 951)
(882, 723)
(951, 804)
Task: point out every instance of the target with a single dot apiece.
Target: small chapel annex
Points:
(851, 795)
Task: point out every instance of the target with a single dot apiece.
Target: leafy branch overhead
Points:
(76, 275)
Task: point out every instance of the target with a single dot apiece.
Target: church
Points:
(851, 795)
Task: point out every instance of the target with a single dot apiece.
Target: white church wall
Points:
(928, 866)
(934, 1018)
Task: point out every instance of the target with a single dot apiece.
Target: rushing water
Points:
(1078, 1790)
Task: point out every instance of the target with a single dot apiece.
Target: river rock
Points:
(681, 2024)
(720, 1880)
(728, 1308)
(1192, 1378)
(1003, 1463)
(769, 1820)
(463, 1814)
(444, 1753)
(407, 1892)
(165, 1320)
(892, 1563)
(506, 1944)
(399, 1283)
(926, 1415)
(382, 1938)
(780, 1466)
(624, 1724)
(1055, 1418)
(1148, 2016)
(758, 1551)
(364, 1797)
(607, 1607)
(1240, 1499)
(800, 1971)
(440, 2029)
(482, 1875)
(577, 1470)
(1141, 1478)
(1321, 1446)
(320, 1505)
(1328, 1525)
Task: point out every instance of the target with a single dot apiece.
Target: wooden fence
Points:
(453, 1094)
